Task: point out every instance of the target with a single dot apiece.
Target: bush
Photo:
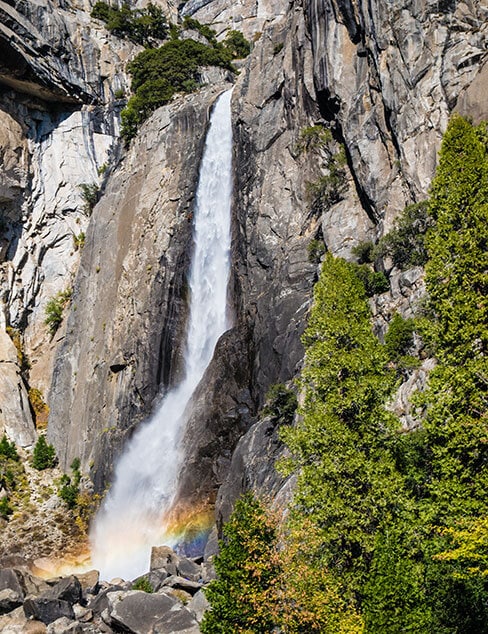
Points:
(375, 282)
(281, 403)
(365, 252)
(44, 455)
(329, 188)
(8, 450)
(79, 241)
(5, 508)
(70, 486)
(237, 45)
(55, 308)
(143, 583)
(405, 243)
(143, 26)
(315, 249)
(89, 193)
(399, 337)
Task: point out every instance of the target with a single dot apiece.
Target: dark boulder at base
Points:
(48, 610)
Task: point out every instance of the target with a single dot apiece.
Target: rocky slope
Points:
(382, 76)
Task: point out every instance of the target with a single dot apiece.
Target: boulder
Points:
(47, 610)
(89, 581)
(189, 570)
(178, 621)
(64, 626)
(138, 612)
(198, 605)
(67, 589)
(179, 583)
(164, 557)
(11, 591)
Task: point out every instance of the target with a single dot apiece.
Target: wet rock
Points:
(47, 610)
(101, 602)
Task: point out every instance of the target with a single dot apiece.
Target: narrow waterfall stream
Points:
(132, 517)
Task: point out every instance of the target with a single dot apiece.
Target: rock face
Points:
(123, 340)
(15, 414)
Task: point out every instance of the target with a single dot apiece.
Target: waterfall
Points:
(131, 519)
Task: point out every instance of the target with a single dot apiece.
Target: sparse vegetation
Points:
(89, 193)
(70, 485)
(281, 403)
(55, 308)
(39, 407)
(328, 188)
(405, 243)
(17, 340)
(79, 241)
(316, 249)
(143, 583)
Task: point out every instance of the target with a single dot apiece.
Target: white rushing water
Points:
(131, 519)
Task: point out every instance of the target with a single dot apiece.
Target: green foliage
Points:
(237, 45)
(281, 403)
(119, 93)
(157, 74)
(55, 308)
(8, 450)
(375, 282)
(468, 546)
(242, 595)
(143, 583)
(44, 455)
(70, 486)
(365, 252)
(399, 337)
(314, 138)
(143, 26)
(347, 480)
(79, 241)
(18, 342)
(5, 508)
(315, 249)
(204, 30)
(89, 193)
(405, 243)
(277, 48)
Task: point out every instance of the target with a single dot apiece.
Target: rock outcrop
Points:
(123, 340)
